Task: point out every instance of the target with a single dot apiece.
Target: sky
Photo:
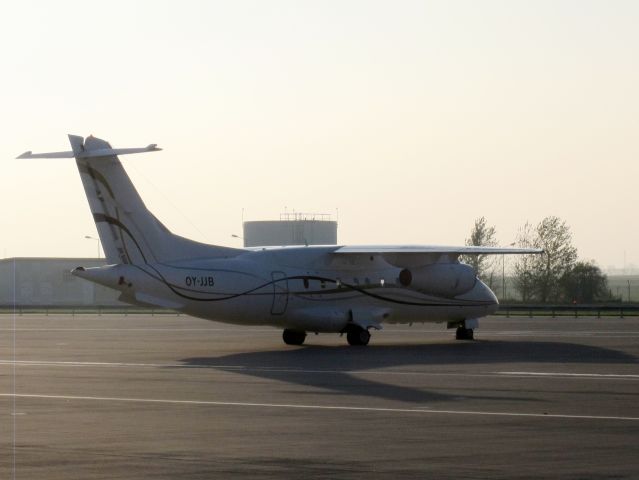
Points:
(406, 119)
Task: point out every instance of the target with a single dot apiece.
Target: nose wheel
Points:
(464, 333)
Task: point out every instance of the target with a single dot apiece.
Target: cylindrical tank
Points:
(290, 232)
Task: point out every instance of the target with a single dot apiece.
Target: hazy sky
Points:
(411, 118)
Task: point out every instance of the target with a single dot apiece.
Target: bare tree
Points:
(524, 267)
(553, 235)
(482, 235)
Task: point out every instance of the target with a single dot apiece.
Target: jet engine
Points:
(443, 279)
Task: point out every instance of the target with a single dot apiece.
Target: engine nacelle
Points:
(443, 279)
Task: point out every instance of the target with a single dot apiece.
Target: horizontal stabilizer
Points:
(30, 154)
(101, 152)
(108, 152)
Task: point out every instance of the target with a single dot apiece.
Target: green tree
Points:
(585, 283)
(482, 235)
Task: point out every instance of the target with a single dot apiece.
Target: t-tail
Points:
(129, 232)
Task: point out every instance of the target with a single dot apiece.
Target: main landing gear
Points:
(293, 337)
(357, 335)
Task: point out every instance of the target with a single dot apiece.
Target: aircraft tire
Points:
(358, 336)
(293, 337)
(464, 333)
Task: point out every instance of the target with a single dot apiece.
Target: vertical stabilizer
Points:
(130, 234)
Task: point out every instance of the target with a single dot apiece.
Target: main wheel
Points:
(358, 336)
(464, 333)
(293, 337)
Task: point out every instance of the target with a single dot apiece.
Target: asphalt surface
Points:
(175, 397)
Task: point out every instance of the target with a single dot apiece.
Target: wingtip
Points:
(25, 154)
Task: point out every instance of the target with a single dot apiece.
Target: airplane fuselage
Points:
(305, 288)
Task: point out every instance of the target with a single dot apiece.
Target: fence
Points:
(594, 310)
(77, 310)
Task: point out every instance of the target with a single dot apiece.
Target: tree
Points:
(538, 277)
(585, 283)
(559, 257)
(524, 267)
(482, 235)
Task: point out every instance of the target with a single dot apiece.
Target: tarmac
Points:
(169, 396)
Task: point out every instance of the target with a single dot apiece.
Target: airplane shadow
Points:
(333, 370)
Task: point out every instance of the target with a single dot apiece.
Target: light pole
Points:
(89, 237)
(503, 274)
(503, 278)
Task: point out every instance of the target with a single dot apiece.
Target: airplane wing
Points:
(434, 249)
(409, 256)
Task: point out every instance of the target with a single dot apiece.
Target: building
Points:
(291, 229)
(48, 282)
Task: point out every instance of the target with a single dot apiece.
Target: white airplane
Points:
(338, 289)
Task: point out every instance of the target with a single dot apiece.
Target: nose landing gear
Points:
(463, 333)
(465, 328)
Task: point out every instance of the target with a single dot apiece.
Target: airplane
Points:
(320, 289)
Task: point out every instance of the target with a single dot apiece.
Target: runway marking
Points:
(243, 368)
(46, 363)
(131, 329)
(574, 334)
(562, 374)
(322, 407)
(235, 368)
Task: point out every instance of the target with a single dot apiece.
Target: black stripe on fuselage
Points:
(99, 217)
(174, 288)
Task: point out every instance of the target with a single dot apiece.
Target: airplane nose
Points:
(484, 296)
